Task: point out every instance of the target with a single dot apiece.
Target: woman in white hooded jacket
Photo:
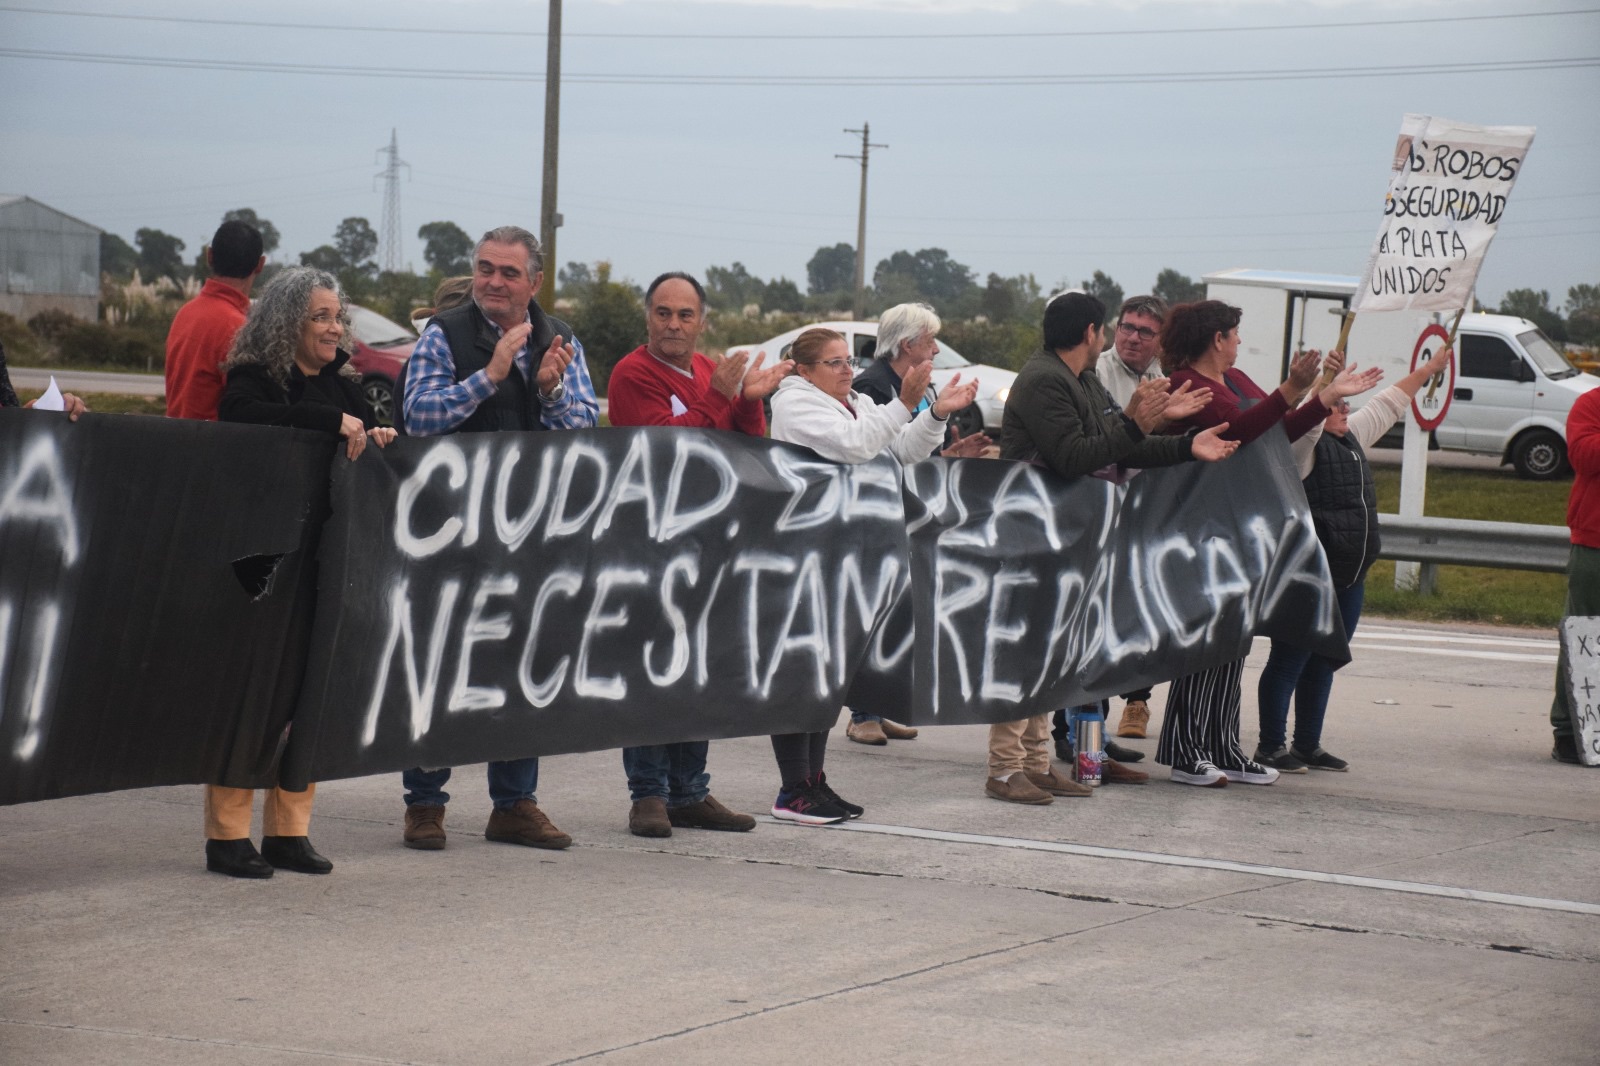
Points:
(817, 408)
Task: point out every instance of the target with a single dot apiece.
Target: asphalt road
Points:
(1437, 904)
(81, 381)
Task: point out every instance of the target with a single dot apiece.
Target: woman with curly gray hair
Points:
(286, 369)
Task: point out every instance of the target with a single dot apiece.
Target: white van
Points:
(1513, 387)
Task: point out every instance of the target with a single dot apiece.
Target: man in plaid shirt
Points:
(497, 362)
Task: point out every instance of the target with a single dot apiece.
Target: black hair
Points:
(235, 249)
(675, 275)
(1068, 316)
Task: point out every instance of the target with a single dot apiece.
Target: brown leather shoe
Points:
(1135, 716)
(1114, 773)
(866, 733)
(1017, 790)
(425, 827)
(1058, 784)
(896, 731)
(524, 823)
(648, 818)
(709, 813)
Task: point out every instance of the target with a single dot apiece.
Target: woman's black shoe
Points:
(236, 858)
(294, 853)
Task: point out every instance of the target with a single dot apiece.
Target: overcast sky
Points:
(1058, 155)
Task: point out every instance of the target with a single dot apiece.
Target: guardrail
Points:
(1504, 545)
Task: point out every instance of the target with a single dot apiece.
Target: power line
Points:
(822, 80)
(1146, 31)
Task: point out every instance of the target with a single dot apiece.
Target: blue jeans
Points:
(509, 781)
(857, 717)
(675, 772)
(1308, 678)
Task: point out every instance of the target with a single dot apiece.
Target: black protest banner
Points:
(1030, 593)
(503, 595)
(500, 595)
(155, 599)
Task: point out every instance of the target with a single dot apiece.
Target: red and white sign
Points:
(1432, 401)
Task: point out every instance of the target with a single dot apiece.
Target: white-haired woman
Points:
(817, 407)
(907, 338)
(286, 369)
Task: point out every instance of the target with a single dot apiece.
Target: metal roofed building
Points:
(48, 259)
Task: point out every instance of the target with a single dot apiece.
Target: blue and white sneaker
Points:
(806, 806)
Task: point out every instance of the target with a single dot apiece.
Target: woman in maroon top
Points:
(1200, 344)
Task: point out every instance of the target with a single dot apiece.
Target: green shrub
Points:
(1004, 344)
(53, 324)
(22, 346)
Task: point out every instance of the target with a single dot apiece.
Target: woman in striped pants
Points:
(1199, 344)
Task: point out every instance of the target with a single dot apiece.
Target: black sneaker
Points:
(1249, 773)
(1281, 760)
(805, 806)
(854, 810)
(1320, 760)
(1566, 749)
(1200, 773)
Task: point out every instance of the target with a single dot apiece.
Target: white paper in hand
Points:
(677, 407)
(51, 400)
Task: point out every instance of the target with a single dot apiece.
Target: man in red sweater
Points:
(1583, 566)
(202, 332)
(668, 383)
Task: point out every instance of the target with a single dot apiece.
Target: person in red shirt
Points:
(1583, 567)
(667, 383)
(202, 331)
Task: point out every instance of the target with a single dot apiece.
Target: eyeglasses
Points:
(324, 318)
(1144, 333)
(831, 364)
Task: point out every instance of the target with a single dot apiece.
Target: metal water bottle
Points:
(1088, 741)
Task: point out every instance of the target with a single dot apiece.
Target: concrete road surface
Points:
(81, 381)
(1439, 903)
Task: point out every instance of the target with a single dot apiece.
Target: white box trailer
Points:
(1285, 312)
(1513, 387)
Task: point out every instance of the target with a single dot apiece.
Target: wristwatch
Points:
(555, 394)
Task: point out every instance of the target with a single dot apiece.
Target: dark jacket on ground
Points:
(317, 402)
(1072, 425)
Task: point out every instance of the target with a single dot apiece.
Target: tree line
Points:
(990, 318)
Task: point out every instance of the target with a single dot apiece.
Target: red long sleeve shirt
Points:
(198, 342)
(1583, 452)
(1246, 425)
(643, 389)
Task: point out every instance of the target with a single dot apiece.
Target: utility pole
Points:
(549, 217)
(860, 307)
(392, 259)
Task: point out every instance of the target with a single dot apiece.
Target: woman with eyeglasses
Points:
(286, 369)
(1199, 345)
(1344, 508)
(817, 407)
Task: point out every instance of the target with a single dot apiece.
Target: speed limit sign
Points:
(1432, 401)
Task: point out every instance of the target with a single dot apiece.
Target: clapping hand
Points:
(759, 384)
(954, 396)
(1209, 446)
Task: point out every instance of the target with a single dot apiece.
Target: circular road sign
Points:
(1432, 401)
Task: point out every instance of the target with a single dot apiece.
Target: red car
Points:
(380, 352)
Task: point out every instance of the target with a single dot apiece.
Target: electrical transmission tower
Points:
(861, 220)
(392, 260)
